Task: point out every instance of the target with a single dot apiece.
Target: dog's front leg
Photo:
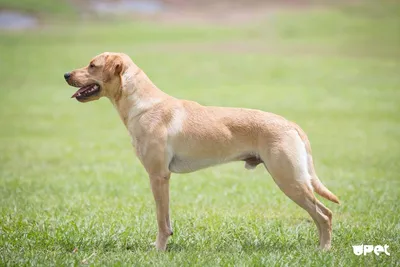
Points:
(154, 157)
(160, 188)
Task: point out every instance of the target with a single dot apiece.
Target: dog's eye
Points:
(91, 65)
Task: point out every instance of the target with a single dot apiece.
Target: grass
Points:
(69, 178)
(43, 7)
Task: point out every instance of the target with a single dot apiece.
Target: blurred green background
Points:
(72, 191)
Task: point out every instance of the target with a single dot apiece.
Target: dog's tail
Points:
(316, 183)
(322, 190)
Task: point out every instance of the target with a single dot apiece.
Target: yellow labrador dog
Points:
(179, 136)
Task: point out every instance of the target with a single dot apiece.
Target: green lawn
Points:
(41, 7)
(69, 177)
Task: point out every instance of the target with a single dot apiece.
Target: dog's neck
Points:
(138, 94)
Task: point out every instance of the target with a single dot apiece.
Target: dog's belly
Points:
(182, 164)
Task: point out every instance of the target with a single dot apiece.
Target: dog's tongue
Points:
(77, 93)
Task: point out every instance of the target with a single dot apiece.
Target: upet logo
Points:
(365, 249)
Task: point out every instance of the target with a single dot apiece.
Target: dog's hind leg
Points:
(286, 161)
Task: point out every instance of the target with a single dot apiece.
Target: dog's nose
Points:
(67, 75)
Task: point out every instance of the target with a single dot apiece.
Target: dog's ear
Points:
(114, 66)
(118, 66)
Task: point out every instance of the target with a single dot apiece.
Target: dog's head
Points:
(101, 77)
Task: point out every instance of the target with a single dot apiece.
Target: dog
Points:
(171, 135)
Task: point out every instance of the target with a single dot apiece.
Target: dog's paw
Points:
(159, 247)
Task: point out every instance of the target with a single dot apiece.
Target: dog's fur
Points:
(179, 136)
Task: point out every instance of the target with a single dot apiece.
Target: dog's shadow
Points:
(172, 247)
(240, 241)
(176, 247)
(246, 246)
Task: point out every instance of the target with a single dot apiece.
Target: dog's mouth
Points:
(87, 91)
